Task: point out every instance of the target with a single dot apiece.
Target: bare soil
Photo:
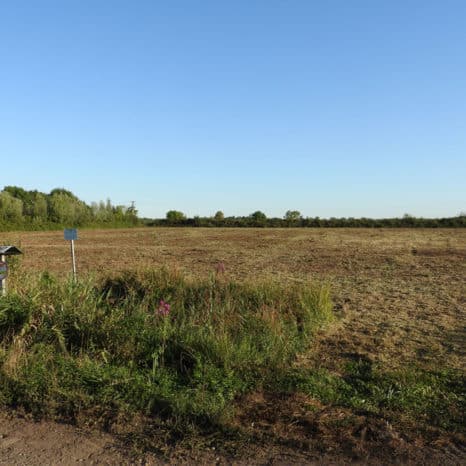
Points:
(400, 297)
(25, 442)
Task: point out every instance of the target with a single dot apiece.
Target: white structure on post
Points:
(5, 251)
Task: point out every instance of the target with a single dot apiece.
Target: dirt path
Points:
(25, 442)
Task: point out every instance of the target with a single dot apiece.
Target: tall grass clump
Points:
(153, 342)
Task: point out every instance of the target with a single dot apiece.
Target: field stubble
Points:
(400, 294)
(400, 298)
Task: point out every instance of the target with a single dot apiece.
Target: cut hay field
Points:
(400, 294)
(382, 383)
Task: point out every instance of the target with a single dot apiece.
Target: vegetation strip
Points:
(155, 343)
(33, 210)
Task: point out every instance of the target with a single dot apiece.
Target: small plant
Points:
(220, 268)
(163, 309)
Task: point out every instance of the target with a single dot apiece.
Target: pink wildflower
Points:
(220, 268)
(164, 308)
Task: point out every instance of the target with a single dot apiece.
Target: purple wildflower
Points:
(164, 308)
(220, 268)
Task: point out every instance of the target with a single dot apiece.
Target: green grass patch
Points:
(425, 398)
(155, 343)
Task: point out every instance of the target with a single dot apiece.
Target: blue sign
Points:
(71, 234)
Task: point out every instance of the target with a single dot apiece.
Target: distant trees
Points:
(33, 209)
(20, 208)
(294, 218)
(102, 211)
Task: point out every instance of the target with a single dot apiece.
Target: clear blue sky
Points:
(331, 107)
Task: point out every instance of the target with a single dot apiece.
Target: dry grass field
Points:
(399, 297)
(400, 294)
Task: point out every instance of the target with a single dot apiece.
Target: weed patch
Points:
(154, 343)
(427, 398)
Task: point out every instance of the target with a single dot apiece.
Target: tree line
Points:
(24, 209)
(294, 219)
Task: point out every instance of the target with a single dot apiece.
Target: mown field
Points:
(380, 379)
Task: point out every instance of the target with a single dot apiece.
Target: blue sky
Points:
(333, 108)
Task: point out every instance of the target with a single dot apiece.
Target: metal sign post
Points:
(71, 234)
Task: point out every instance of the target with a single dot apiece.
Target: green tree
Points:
(39, 207)
(61, 208)
(259, 219)
(27, 198)
(11, 209)
(292, 216)
(175, 216)
(66, 209)
(219, 216)
(131, 214)
(65, 192)
(101, 212)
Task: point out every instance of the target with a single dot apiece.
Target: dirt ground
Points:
(400, 298)
(24, 441)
